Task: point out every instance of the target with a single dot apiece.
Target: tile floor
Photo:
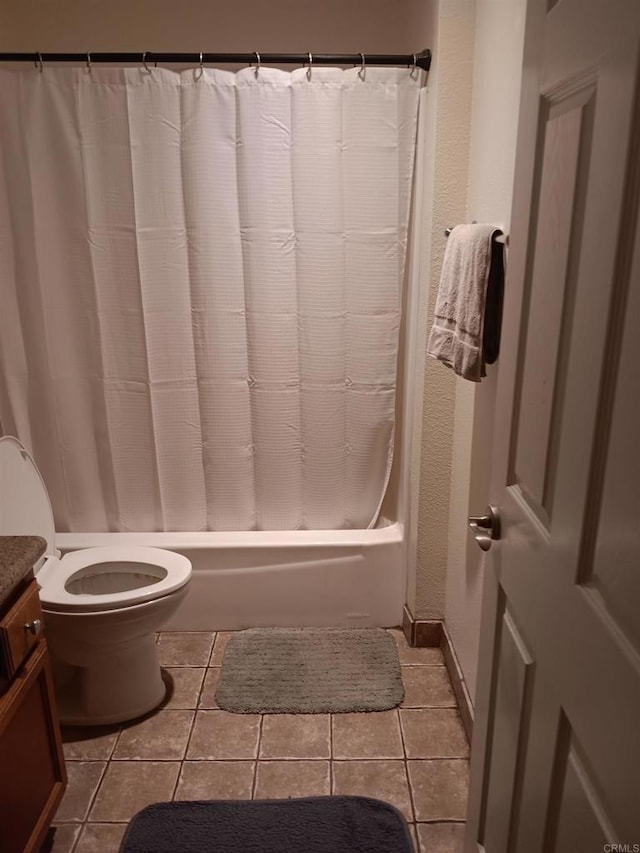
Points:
(415, 757)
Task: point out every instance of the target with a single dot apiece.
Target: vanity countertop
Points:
(18, 555)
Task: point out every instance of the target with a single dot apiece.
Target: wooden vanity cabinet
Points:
(32, 770)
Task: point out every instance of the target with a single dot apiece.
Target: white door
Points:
(556, 748)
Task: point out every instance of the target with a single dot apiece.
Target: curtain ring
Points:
(88, 62)
(363, 68)
(309, 68)
(144, 63)
(199, 77)
(414, 67)
(38, 62)
(257, 71)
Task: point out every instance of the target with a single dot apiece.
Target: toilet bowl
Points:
(102, 606)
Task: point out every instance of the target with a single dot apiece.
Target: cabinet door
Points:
(32, 771)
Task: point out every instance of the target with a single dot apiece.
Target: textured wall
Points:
(450, 87)
(494, 117)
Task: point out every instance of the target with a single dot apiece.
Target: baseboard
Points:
(421, 633)
(458, 683)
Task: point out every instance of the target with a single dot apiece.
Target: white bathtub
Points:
(280, 578)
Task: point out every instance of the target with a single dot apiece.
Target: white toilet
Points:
(101, 606)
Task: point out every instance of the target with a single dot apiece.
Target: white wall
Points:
(385, 26)
(499, 37)
(446, 182)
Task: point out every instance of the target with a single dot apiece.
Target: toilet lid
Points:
(25, 508)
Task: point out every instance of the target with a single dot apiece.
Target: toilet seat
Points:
(169, 571)
(25, 510)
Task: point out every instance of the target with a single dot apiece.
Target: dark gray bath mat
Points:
(310, 671)
(310, 825)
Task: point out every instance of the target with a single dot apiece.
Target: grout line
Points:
(175, 787)
(331, 754)
(415, 841)
(76, 840)
(115, 743)
(92, 799)
(189, 736)
(216, 637)
(442, 820)
(406, 771)
(172, 633)
(280, 760)
(213, 645)
(110, 821)
(254, 784)
(201, 690)
(232, 760)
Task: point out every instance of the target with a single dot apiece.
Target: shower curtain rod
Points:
(419, 60)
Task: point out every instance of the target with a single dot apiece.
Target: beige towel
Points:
(456, 336)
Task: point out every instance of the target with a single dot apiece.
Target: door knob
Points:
(486, 527)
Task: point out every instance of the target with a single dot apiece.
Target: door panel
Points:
(513, 692)
(578, 819)
(614, 573)
(565, 136)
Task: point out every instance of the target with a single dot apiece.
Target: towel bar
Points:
(501, 238)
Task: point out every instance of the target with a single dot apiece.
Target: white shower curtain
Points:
(201, 280)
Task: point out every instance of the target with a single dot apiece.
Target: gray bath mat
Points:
(310, 671)
(310, 825)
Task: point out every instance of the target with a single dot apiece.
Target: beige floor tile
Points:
(185, 649)
(441, 837)
(220, 735)
(296, 736)
(62, 838)
(222, 639)
(83, 778)
(373, 735)
(215, 780)
(439, 789)
(281, 779)
(433, 733)
(409, 656)
(162, 737)
(101, 838)
(383, 780)
(186, 686)
(427, 687)
(208, 695)
(89, 743)
(129, 786)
